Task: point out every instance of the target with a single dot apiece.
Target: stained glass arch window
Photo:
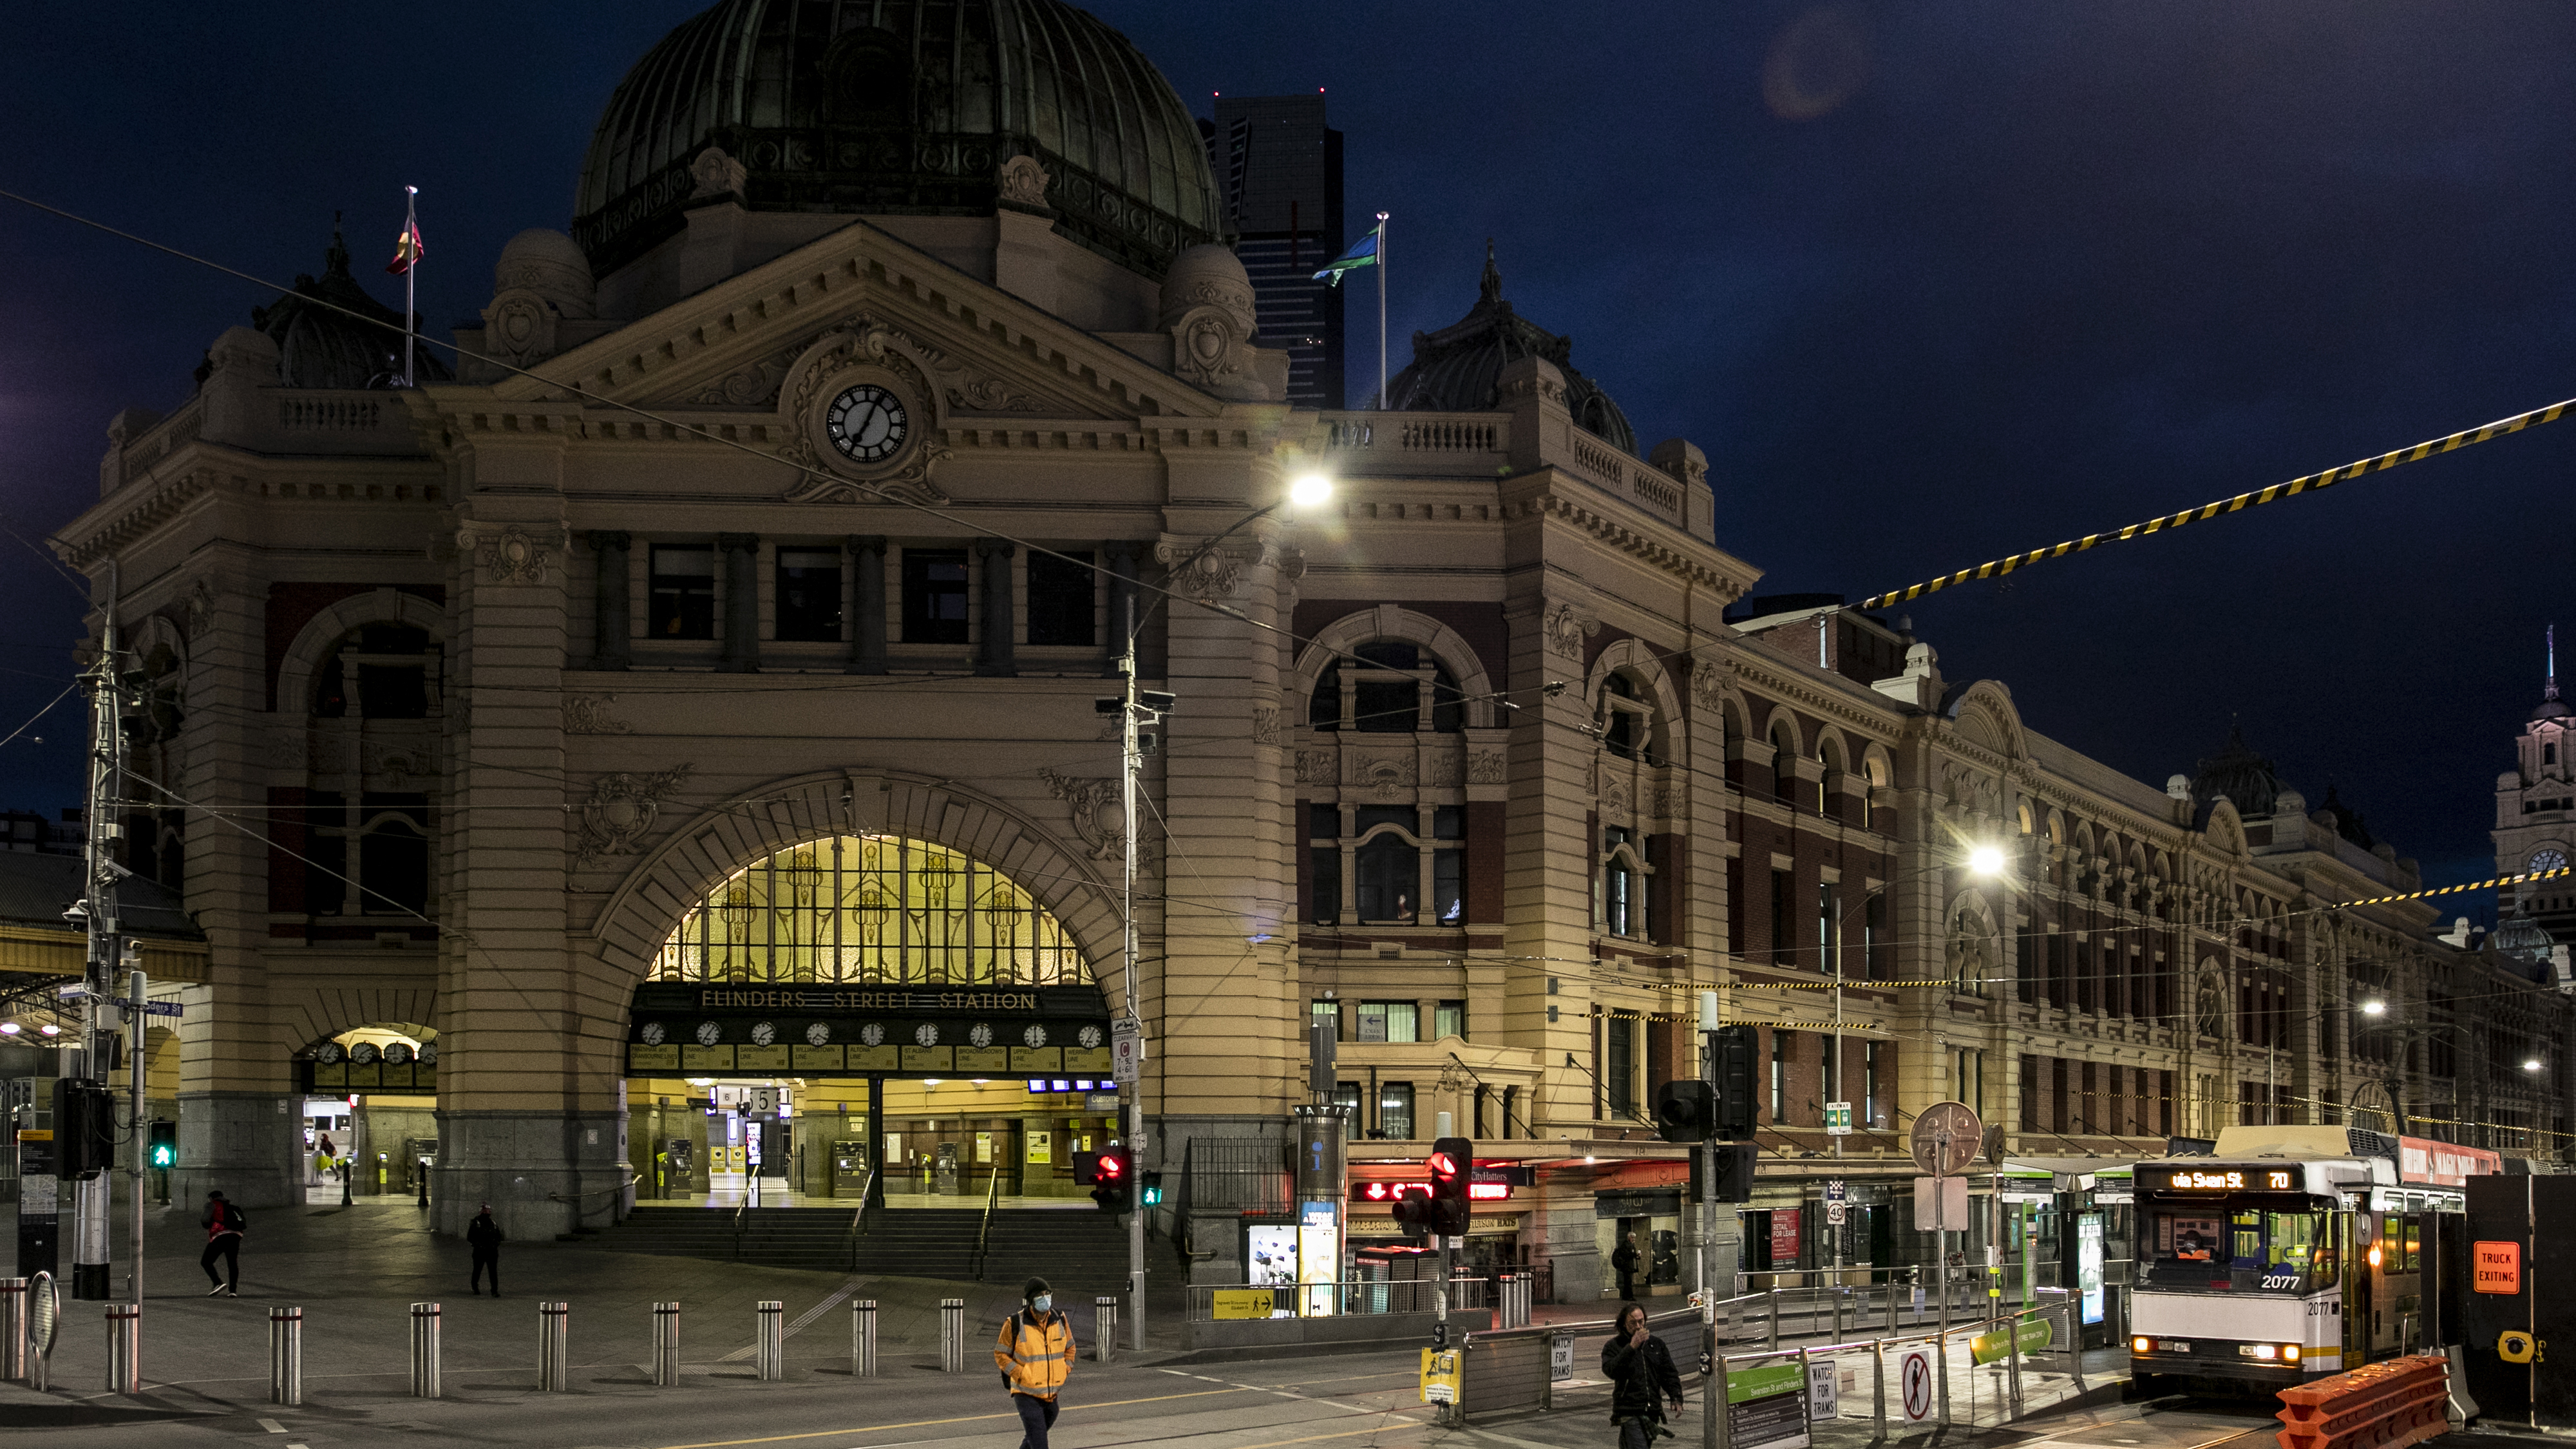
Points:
(871, 910)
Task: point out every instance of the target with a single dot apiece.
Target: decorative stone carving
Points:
(286, 749)
(717, 174)
(1567, 627)
(1709, 678)
(519, 327)
(622, 807)
(587, 714)
(756, 382)
(1485, 767)
(1385, 776)
(1216, 573)
(990, 395)
(1021, 182)
(868, 349)
(200, 609)
(1098, 815)
(397, 765)
(1316, 767)
(1615, 800)
(1207, 307)
(511, 556)
(1447, 769)
(1265, 724)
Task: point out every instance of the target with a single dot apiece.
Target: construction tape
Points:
(2242, 501)
(2502, 880)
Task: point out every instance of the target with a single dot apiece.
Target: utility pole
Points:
(1132, 759)
(134, 1018)
(93, 1197)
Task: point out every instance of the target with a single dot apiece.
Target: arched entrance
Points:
(367, 1120)
(866, 1013)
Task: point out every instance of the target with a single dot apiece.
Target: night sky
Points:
(1929, 283)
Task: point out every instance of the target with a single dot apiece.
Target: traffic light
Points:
(1415, 1212)
(1149, 1188)
(1451, 1163)
(84, 1128)
(1734, 1171)
(1686, 1111)
(1733, 1051)
(1086, 1168)
(163, 1146)
(1115, 1181)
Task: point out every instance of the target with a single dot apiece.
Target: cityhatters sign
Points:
(694, 1028)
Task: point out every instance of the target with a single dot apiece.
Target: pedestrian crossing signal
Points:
(1115, 1181)
(1149, 1189)
(163, 1146)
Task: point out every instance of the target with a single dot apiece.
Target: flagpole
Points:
(1381, 312)
(411, 284)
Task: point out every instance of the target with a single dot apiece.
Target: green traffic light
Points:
(164, 1156)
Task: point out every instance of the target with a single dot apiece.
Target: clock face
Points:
(652, 1033)
(1034, 1036)
(1089, 1036)
(764, 1033)
(818, 1033)
(2548, 858)
(980, 1034)
(709, 1033)
(867, 423)
(872, 1034)
(927, 1034)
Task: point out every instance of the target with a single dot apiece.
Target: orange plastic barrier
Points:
(2385, 1405)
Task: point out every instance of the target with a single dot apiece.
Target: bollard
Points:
(2012, 1366)
(863, 1338)
(554, 1347)
(424, 1350)
(769, 1340)
(952, 1335)
(1774, 1295)
(1878, 1391)
(125, 1348)
(1841, 1294)
(2074, 1346)
(1941, 1373)
(666, 1344)
(13, 1329)
(1104, 1325)
(1891, 1308)
(286, 1356)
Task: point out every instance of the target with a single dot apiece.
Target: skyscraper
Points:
(1279, 182)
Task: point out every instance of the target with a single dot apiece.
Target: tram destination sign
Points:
(2222, 1179)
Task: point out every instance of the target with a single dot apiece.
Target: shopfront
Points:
(867, 1008)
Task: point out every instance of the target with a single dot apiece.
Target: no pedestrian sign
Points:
(2499, 1267)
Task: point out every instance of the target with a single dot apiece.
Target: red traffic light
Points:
(1112, 1167)
(1440, 1165)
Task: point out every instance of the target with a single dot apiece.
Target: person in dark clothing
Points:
(1624, 1263)
(1638, 1365)
(224, 1228)
(483, 1235)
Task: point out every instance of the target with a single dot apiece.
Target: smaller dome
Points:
(549, 264)
(2247, 779)
(2551, 706)
(1208, 275)
(1459, 368)
(320, 344)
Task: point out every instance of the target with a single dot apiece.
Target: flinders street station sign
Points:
(697, 1028)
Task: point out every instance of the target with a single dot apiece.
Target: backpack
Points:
(233, 1219)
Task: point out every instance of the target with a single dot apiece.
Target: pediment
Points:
(985, 354)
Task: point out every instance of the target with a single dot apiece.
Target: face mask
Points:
(1042, 1302)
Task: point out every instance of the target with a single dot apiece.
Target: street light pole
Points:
(92, 1196)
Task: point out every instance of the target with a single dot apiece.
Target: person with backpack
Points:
(224, 1227)
(1035, 1354)
(1641, 1374)
(483, 1235)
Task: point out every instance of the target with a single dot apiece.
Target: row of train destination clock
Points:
(767, 1045)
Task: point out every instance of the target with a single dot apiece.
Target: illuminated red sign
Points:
(1389, 1191)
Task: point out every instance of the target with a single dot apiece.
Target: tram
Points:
(2295, 1251)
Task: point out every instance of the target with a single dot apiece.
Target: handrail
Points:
(740, 1208)
(632, 1177)
(984, 1238)
(859, 1219)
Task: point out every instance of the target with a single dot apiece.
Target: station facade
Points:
(661, 753)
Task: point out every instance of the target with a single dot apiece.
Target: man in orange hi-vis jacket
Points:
(1035, 1355)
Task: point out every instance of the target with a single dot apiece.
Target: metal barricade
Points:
(666, 1344)
(554, 1347)
(1104, 1325)
(44, 1320)
(424, 1350)
(769, 1341)
(125, 1348)
(863, 1338)
(286, 1356)
(13, 1329)
(952, 1335)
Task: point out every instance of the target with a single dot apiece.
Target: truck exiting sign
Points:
(2499, 1267)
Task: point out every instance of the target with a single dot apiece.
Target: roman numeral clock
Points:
(866, 423)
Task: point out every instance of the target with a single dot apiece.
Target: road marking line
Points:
(800, 1321)
(272, 1426)
(928, 1423)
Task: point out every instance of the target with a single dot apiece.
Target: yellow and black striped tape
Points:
(2481, 885)
(2296, 486)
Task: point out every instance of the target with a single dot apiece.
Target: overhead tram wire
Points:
(879, 492)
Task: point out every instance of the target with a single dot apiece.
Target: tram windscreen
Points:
(2237, 1246)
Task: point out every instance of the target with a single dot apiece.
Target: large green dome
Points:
(901, 107)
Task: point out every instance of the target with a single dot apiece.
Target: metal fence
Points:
(1211, 1302)
(1236, 1176)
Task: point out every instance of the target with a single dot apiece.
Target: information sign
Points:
(1766, 1405)
(1838, 1119)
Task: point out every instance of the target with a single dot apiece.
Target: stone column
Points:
(611, 610)
(999, 628)
(867, 611)
(742, 602)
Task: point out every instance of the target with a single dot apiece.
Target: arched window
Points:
(1622, 718)
(1398, 688)
(872, 909)
(1829, 755)
(1784, 762)
(381, 671)
(1620, 906)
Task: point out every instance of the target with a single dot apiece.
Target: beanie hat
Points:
(1030, 1290)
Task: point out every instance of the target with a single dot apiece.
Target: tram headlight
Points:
(2374, 1255)
(2289, 1353)
(2142, 1344)
(2258, 1350)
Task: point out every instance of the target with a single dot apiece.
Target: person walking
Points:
(1641, 1374)
(1035, 1355)
(224, 1227)
(483, 1235)
(1624, 1263)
